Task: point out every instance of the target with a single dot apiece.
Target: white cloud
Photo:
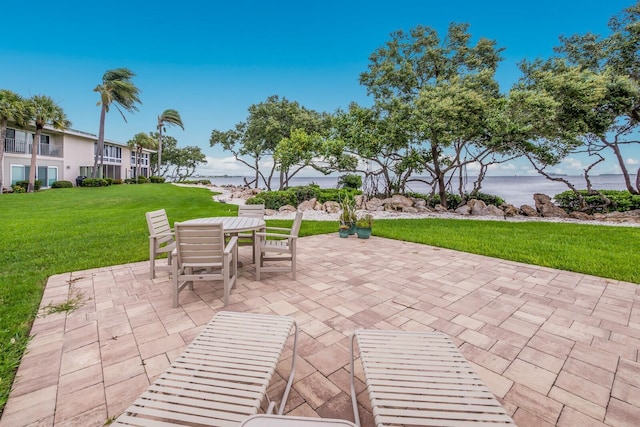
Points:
(632, 162)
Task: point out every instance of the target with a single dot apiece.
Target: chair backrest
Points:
(158, 224)
(251, 211)
(297, 222)
(199, 244)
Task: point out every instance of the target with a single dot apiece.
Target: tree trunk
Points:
(100, 145)
(159, 147)
(34, 157)
(442, 189)
(625, 173)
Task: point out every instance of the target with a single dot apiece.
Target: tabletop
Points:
(264, 420)
(232, 224)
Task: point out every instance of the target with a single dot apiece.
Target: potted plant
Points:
(348, 214)
(343, 231)
(363, 226)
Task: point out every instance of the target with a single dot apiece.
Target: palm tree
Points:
(168, 117)
(139, 142)
(116, 88)
(12, 108)
(44, 111)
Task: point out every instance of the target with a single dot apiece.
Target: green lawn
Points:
(57, 231)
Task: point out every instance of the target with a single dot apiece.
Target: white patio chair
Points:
(221, 378)
(201, 254)
(161, 240)
(249, 239)
(277, 244)
(422, 379)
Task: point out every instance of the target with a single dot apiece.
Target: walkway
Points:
(556, 348)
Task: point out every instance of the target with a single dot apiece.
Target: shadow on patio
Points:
(556, 348)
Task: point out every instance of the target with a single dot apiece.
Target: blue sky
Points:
(212, 60)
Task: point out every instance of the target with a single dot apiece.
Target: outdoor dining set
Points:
(222, 377)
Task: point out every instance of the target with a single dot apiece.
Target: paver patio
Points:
(556, 348)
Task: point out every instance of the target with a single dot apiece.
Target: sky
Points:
(211, 60)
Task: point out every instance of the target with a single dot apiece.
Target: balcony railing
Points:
(22, 147)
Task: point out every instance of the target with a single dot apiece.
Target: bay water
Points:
(516, 190)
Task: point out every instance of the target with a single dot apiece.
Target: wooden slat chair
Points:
(249, 239)
(421, 379)
(278, 244)
(221, 378)
(161, 240)
(201, 254)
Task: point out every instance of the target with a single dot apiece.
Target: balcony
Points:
(22, 147)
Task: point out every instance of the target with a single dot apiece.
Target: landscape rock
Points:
(419, 203)
(331, 207)
(397, 202)
(492, 210)
(287, 208)
(527, 210)
(510, 210)
(581, 216)
(476, 206)
(439, 208)
(463, 210)
(409, 209)
(546, 208)
(307, 205)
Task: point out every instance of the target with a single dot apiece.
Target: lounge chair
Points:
(201, 254)
(161, 240)
(277, 244)
(420, 378)
(221, 378)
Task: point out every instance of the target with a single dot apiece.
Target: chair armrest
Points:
(283, 236)
(156, 236)
(278, 228)
(232, 242)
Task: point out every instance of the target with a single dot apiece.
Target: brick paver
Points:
(556, 348)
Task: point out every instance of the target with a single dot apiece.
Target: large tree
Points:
(44, 112)
(447, 88)
(178, 164)
(271, 123)
(139, 143)
(617, 58)
(118, 89)
(168, 117)
(12, 108)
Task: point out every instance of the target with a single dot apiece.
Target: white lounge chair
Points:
(278, 244)
(420, 378)
(161, 239)
(221, 378)
(201, 254)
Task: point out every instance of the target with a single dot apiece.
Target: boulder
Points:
(581, 216)
(419, 203)
(409, 209)
(331, 207)
(307, 205)
(547, 208)
(527, 210)
(360, 201)
(269, 212)
(476, 206)
(287, 208)
(397, 202)
(463, 210)
(510, 210)
(440, 208)
(492, 210)
(374, 204)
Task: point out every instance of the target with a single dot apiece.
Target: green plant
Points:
(95, 182)
(620, 200)
(62, 184)
(350, 181)
(142, 179)
(18, 188)
(156, 179)
(348, 205)
(24, 184)
(365, 221)
(488, 199)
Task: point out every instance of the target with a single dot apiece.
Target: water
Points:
(516, 190)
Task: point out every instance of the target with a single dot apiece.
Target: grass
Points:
(58, 231)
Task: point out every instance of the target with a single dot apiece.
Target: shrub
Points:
(94, 182)
(109, 181)
(117, 181)
(275, 199)
(350, 181)
(18, 188)
(25, 185)
(453, 200)
(62, 184)
(621, 200)
(156, 179)
(307, 192)
(488, 199)
(142, 179)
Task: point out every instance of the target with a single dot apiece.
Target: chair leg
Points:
(152, 260)
(176, 286)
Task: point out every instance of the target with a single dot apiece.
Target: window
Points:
(18, 173)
